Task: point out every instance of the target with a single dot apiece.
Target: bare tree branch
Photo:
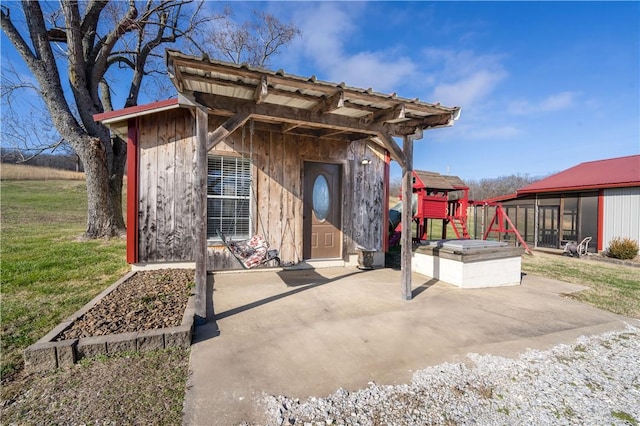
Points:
(253, 42)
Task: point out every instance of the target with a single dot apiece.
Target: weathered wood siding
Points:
(166, 189)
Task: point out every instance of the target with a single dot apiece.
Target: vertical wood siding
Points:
(166, 189)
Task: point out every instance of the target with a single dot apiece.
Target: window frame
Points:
(235, 170)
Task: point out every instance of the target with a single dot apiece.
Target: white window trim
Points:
(212, 237)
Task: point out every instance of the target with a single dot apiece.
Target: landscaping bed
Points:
(146, 310)
(146, 301)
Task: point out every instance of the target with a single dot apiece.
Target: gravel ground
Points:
(146, 301)
(595, 381)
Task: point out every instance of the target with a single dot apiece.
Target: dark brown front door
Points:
(322, 211)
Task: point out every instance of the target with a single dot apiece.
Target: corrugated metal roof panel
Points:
(288, 101)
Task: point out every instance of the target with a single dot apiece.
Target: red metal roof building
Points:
(596, 199)
(611, 173)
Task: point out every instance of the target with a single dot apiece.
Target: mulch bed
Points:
(146, 301)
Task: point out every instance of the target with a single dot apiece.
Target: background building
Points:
(597, 199)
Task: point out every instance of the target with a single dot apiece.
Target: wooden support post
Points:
(228, 127)
(133, 206)
(200, 206)
(407, 218)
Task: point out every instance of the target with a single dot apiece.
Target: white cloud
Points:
(467, 77)
(373, 69)
(325, 28)
(452, 77)
(555, 102)
(468, 90)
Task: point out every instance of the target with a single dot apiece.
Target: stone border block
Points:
(66, 352)
(91, 346)
(178, 337)
(150, 340)
(40, 356)
(123, 342)
(189, 312)
(47, 354)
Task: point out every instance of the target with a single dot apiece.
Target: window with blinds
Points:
(228, 197)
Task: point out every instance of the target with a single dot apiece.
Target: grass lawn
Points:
(613, 287)
(47, 272)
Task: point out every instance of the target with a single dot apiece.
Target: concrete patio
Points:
(309, 332)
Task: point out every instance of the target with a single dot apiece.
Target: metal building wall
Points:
(621, 215)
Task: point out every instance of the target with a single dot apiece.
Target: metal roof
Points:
(117, 120)
(610, 173)
(306, 102)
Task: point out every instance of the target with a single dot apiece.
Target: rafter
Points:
(288, 114)
(390, 115)
(261, 90)
(410, 127)
(330, 103)
(396, 152)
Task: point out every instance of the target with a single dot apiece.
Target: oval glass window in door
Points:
(321, 198)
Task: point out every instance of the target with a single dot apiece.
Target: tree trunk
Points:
(116, 181)
(100, 215)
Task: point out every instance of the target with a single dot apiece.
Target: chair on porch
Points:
(252, 252)
(574, 249)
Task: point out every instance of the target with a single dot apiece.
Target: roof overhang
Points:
(117, 121)
(301, 105)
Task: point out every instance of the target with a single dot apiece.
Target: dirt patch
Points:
(146, 301)
(128, 389)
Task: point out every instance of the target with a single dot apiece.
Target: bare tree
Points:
(253, 42)
(504, 185)
(99, 40)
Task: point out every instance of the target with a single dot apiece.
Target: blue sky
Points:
(543, 86)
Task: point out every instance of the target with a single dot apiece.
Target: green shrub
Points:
(623, 248)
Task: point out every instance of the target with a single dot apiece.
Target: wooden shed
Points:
(247, 151)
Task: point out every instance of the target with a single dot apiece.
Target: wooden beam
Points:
(253, 87)
(176, 76)
(228, 127)
(396, 153)
(410, 127)
(330, 103)
(275, 79)
(261, 90)
(406, 252)
(397, 112)
(330, 133)
(289, 114)
(200, 207)
(287, 127)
